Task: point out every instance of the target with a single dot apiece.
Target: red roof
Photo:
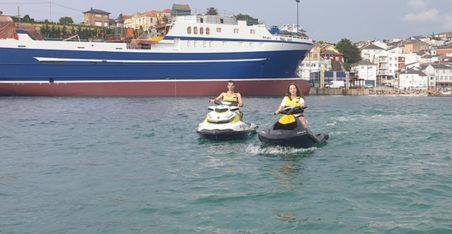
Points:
(155, 12)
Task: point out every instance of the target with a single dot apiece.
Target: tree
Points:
(249, 20)
(58, 33)
(66, 20)
(351, 53)
(27, 19)
(64, 32)
(212, 11)
(52, 32)
(45, 30)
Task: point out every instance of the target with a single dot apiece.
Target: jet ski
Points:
(224, 122)
(289, 132)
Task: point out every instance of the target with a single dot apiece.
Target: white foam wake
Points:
(276, 150)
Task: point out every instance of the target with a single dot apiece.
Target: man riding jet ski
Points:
(292, 129)
(224, 121)
(231, 96)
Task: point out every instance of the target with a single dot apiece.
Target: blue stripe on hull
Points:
(20, 64)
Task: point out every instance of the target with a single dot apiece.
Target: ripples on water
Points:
(136, 165)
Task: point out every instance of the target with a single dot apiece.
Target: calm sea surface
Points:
(106, 165)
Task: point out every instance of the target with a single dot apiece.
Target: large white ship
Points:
(195, 55)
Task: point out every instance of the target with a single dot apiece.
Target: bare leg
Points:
(303, 122)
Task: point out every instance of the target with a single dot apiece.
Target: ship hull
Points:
(41, 72)
(277, 87)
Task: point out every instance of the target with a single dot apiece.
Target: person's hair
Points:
(288, 91)
(231, 81)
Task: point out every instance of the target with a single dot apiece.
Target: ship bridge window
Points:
(189, 30)
(218, 30)
(236, 30)
(221, 21)
(195, 30)
(207, 31)
(252, 31)
(201, 30)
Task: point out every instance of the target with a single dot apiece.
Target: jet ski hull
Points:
(224, 122)
(303, 139)
(226, 134)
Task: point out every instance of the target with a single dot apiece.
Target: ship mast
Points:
(298, 14)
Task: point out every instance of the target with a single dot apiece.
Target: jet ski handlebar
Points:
(223, 108)
(293, 110)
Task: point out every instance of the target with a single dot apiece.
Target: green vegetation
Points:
(351, 53)
(25, 19)
(66, 20)
(249, 20)
(66, 28)
(211, 11)
(50, 31)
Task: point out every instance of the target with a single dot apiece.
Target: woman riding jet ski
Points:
(291, 129)
(224, 121)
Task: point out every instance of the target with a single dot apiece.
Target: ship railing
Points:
(304, 37)
(73, 37)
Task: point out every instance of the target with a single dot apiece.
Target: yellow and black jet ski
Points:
(289, 132)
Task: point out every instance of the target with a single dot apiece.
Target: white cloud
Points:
(447, 24)
(417, 4)
(429, 15)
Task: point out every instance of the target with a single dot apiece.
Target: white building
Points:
(440, 75)
(381, 44)
(366, 71)
(390, 62)
(371, 53)
(413, 79)
(147, 20)
(395, 60)
(308, 67)
(428, 59)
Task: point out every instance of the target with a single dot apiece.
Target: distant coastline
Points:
(376, 92)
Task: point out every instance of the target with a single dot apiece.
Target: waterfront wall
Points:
(375, 92)
(339, 91)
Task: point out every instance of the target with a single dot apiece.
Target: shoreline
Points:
(375, 92)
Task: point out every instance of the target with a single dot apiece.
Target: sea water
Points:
(136, 165)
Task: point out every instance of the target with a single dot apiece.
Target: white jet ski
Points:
(224, 122)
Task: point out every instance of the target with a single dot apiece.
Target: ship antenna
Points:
(298, 14)
(50, 10)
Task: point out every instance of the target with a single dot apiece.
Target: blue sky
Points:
(328, 20)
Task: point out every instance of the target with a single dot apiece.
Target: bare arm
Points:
(280, 108)
(217, 98)
(239, 99)
(301, 102)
